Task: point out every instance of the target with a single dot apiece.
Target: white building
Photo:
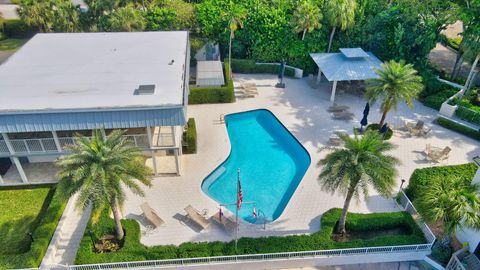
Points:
(57, 85)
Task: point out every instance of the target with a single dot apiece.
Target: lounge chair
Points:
(336, 108)
(151, 215)
(227, 223)
(435, 154)
(246, 84)
(342, 115)
(194, 215)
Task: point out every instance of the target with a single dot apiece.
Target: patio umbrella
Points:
(364, 120)
(281, 72)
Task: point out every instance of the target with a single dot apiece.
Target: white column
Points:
(149, 136)
(177, 159)
(319, 76)
(1, 179)
(177, 162)
(7, 142)
(17, 163)
(173, 135)
(57, 141)
(334, 88)
(154, 163)
(150, 142)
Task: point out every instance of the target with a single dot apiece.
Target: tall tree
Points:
(99, 169)
(353, 169)
(471, 39)
(306, 17)
(126, 19)
(340, 14)
(235, 15)
(396, 82)
(50, 15)
(455, 203)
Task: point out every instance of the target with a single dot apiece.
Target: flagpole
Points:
(236, 209)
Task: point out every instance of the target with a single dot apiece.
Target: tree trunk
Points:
(458, 65)
(446, 240)
(384, 115)
(331, 39)
(230, 52)
(117, 218)
(343, 218)
(303, 35)
(470, 77)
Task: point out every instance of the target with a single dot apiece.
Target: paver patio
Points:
(302, 110)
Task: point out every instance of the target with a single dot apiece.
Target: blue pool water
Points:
(272, 163)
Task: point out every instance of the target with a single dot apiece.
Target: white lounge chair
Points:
(194, 215)
(225, 221)
(151, 215)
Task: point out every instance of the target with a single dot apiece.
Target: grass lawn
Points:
(11, 44)
(19, 212)
(35, 209)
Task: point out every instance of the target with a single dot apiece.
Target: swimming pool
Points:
(271, 161)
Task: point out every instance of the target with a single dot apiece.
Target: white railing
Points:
(253, 257)
(47, 145)
(404, 202)
(455, 263)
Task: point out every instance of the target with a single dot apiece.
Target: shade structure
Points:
(350, 64)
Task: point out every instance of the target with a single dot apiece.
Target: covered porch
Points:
(350, 64)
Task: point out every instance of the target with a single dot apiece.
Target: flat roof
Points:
(95, 71)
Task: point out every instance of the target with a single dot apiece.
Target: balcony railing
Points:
(48, 145)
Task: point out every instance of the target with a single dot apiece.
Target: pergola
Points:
(350, 64)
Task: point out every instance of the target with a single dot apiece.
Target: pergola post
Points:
(1, 179)
(20, 170)
(152, 152)
(177, 159)
(334, 89)
(57, 141)
(319, 76)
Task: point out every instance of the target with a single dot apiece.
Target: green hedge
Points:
(469, 132)
(375, 126)
(423, 177)
(133, 250)
(191, 137)
(249, 66)
(42, 235)
(18, 29)
(216, 94)
(435, 100)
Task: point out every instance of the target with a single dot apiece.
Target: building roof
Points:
(209, 73)
(95, 71)
(350, 64)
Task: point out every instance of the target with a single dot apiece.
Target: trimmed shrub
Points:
(133, 250)
(423, 177)
(249, 66)
(191, 137)
(42, 235)
(18, 29)
(441, 253)
(214, 94)
(435, 100)
(469, 132)
(377, 127)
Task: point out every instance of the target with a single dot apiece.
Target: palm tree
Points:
(37, 14)
(351, 170)
(306, 17)
(236, 15)
(396, 82)
(127, 19)
(98, 169)
(453, 202)
(340, 13)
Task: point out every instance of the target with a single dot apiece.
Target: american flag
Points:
(254, 212)
(239, 196)
(220, 214)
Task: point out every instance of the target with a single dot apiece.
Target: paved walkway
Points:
(8, 11)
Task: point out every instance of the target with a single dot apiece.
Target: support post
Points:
(149, 136)
(57, 141)
(1, 179)
(174, 139)
(154, 163)
(334, 89)
(17, 163)
(177, 149)
(8, 143)
(319, 76)
(150, 143)
(177, 161)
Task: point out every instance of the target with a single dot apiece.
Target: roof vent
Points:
(171, 62)
(354, 52)
(145, 89)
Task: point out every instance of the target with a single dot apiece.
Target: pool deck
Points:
(302, 109)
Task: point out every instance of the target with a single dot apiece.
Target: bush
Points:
(423, 177)
(469, 132)
(249, 66)
(133, 250)
(214, 94)
(191, 137)
(441, 253)
(377, 127)
(435, 100)
(468, 114)
(42, 235)
(18, 29)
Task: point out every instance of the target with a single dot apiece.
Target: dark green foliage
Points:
(441, 253)
(435, 100)
(18, 29)
(133, 250)
(214, 94)
(423, 177)
(42, 234)
(191, 137)
(469, 132)
(376, 126)
(468, 114)
(249, 66)
(158, 18)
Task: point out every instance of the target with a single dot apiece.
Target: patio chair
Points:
(194, 215)
(438, 156)
(246, 84)
(225, 221)
(151, 215)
